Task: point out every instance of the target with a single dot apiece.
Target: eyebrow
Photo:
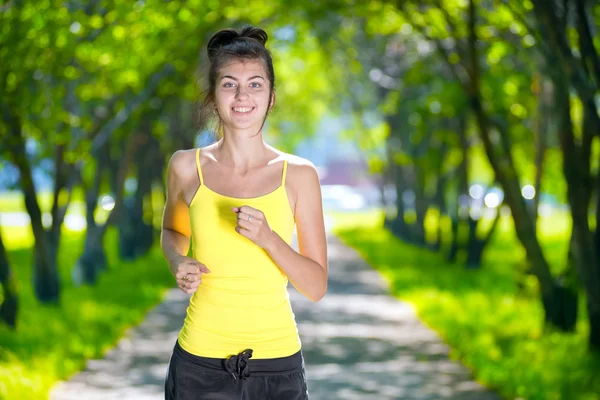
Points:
(235, 79)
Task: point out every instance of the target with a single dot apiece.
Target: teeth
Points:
(242, 109)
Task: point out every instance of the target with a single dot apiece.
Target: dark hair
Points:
(224, 46)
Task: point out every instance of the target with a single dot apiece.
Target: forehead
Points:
(241, 68)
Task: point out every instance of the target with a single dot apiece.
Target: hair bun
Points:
(255, 33)
(227, 36)
(220, 39)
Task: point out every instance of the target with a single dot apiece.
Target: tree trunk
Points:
(597, 232)
(440, 203)
(45, 273)
(93, 259)
(583, 77)
(10, 305)
(507, 176)
(421, 207)
(461, 217)
(45, 277)
(397, 225)
(541, 142)
(439, 199)
(475, 253)
(454, 245)
(136, 235)
(578, 177)
(476, 245)
(418, 153)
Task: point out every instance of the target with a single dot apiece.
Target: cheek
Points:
(265, 98)
(222, 98)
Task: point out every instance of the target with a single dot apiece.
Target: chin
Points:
(246, 126)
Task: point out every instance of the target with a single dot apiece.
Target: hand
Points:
(252, 224)
(188, 273)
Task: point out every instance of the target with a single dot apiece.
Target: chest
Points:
(247, 184)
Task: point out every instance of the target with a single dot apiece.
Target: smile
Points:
(243, 110)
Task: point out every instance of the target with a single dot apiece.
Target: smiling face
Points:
(243, 94)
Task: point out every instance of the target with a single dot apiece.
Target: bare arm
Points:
(176, 230)
(307, 270)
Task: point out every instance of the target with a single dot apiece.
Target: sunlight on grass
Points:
(492, 317)
(52, 342)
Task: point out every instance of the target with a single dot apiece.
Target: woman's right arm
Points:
(176, 230)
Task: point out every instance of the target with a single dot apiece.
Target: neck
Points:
(241, 148)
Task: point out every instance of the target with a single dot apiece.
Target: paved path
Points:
(359, 343)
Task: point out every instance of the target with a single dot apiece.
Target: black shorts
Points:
(191, 377)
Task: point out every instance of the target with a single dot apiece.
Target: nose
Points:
(242, 92)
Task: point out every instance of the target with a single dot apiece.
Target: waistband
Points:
(242, 366)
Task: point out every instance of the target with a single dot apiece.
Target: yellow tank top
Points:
(243, 303)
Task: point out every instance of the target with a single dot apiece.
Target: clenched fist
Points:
(188, 273)
(253, 224)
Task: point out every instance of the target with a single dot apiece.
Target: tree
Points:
(464, 60)
(10, 301)
(583, 75)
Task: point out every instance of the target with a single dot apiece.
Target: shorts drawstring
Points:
(237, 365)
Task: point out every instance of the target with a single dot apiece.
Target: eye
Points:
(228, 84)
(255, 85)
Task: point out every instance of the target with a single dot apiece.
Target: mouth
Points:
(242, 110)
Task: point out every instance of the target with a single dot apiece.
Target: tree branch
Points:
(548, 21)
(122, 116)
(453, 28)
(588, 50)
(461, 75)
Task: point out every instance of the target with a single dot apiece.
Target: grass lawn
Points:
(492, 317)
(52, 342)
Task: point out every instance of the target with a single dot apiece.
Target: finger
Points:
(251, 211)
(188, 285)
(242, 231)
(199, 267)
(189, 278)
(245, 224)
(188, 290)
(244, 217)
(203, 268)
(181, 273)
(191, 267)
(187, 267)
(191, 285)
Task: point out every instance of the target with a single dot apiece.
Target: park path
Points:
(359, 343)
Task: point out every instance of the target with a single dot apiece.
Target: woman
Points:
(238, 201)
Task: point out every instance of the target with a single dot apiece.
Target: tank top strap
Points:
(198, 167)
(285, 163)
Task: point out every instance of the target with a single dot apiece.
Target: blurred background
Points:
(457, 142)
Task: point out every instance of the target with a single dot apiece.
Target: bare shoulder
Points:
(301, 172)
(299, 165)
(182, 165)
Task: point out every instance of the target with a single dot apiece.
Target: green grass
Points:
(492, 317)
(53, 342)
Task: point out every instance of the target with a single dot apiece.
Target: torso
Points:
(243, 301)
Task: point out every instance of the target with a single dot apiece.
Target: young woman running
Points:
(237, 201)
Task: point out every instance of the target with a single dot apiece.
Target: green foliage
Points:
(53, 342)
(490, 317)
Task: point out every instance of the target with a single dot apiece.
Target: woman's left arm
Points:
(307, 270)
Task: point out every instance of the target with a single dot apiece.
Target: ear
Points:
(272, 102)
